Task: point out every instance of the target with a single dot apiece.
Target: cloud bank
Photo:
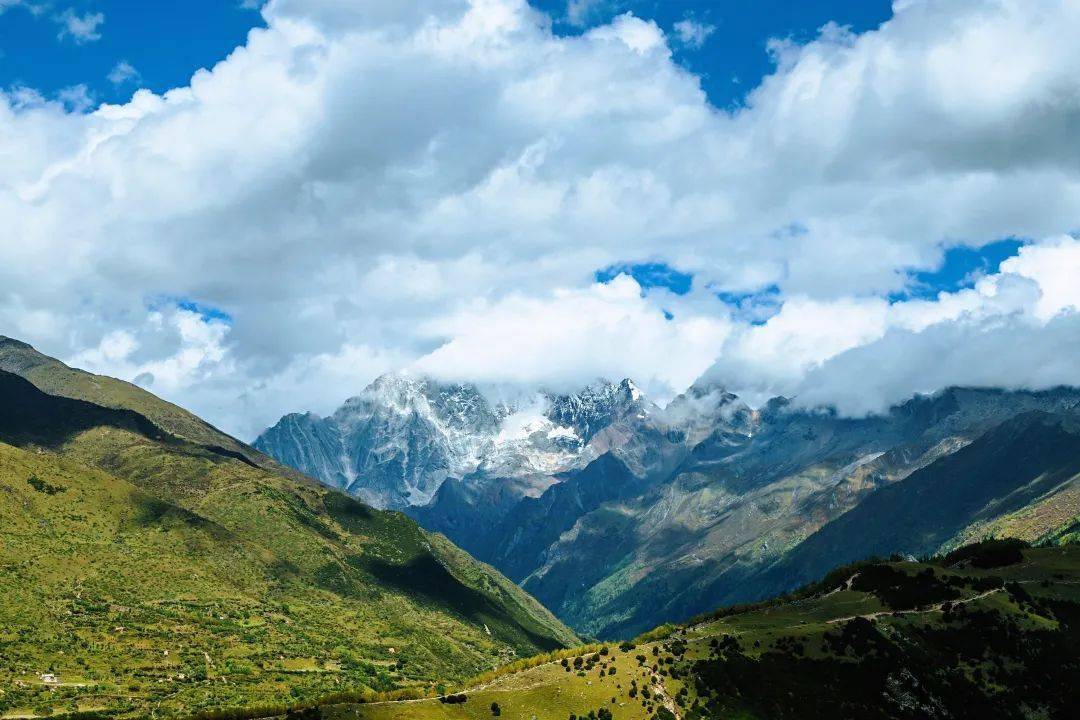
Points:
(363, 186)
(1017, 328)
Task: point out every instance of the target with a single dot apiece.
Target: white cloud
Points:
(80, 28)
(76, 98)
(189, 349)
(692, 33)
(376, 175)
(582, 12)
(1018, 328)
(639, 35)
(34, 8)
(180, 353)
(1012, 352)
(606, 330)
(770, 358)
(123, 72)
(1055, 266)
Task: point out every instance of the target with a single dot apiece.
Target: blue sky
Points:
(733, 58)
(165, 42)
(961, 267)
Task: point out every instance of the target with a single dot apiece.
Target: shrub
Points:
(458, 699)
(989, 553)
(43, 487)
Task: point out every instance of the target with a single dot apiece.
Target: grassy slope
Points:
(873, 641)
(119, 545)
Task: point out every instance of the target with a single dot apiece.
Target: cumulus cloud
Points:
(1012, 352)
(388, 179)
(80, 29)
(193, 347)
(123, 72)
(692, 33)
(1018, 328)
(76, 98)
(606, 330)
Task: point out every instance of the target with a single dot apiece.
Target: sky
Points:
(252, 209)
(722, 41)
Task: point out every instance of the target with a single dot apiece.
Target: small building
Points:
(50, 678)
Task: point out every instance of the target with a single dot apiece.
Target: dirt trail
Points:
(485, 686)
(921, 611)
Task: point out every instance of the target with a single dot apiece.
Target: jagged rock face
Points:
(629, 450)
(393, 444)
(397, 442)
(597, 407)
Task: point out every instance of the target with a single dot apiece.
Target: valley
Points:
(539, 360)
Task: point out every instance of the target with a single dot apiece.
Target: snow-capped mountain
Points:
(395, 443)
(620, 515)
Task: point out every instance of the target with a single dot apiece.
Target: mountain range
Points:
(619, 514)
(152, 565)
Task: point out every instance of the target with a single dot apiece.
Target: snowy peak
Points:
(598, 406)
(704, 408)
(456, 406)
(397, 441)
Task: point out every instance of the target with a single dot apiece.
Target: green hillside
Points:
(991, 631)
(146, 573)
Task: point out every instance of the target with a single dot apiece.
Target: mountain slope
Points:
(988, 633)
(662, 513)
(744, 498)
(392, 445)
(1026, 459)
(154, 573)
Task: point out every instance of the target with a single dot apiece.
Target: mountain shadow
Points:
(33, 417)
